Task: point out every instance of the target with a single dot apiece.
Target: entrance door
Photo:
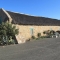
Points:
(31, 31)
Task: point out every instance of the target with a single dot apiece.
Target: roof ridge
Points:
(7, 14)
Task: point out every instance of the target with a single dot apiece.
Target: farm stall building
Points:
(28, 25)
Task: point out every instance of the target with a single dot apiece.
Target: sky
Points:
(44, 8)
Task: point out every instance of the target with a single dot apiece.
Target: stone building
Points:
(29, 25)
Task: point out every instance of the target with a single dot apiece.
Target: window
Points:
(31, 31)
(50, 28)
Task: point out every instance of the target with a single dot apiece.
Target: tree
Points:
(7, 31)
(11, 30)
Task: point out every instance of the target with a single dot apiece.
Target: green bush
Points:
(39, 35)
(11, 42)
(38, 38)
(7, 32)
(43, 36)
(33, 37)
(49, 32)
(52, 32)
(44, 32)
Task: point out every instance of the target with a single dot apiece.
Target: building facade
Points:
(29, 25)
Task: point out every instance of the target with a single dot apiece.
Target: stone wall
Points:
(25, 31)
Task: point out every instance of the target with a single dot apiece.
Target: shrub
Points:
(39, 35)
(7, 32)
(46, 32)
(33, 37)
(52, 32)
(43, 36)
(49, 32)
